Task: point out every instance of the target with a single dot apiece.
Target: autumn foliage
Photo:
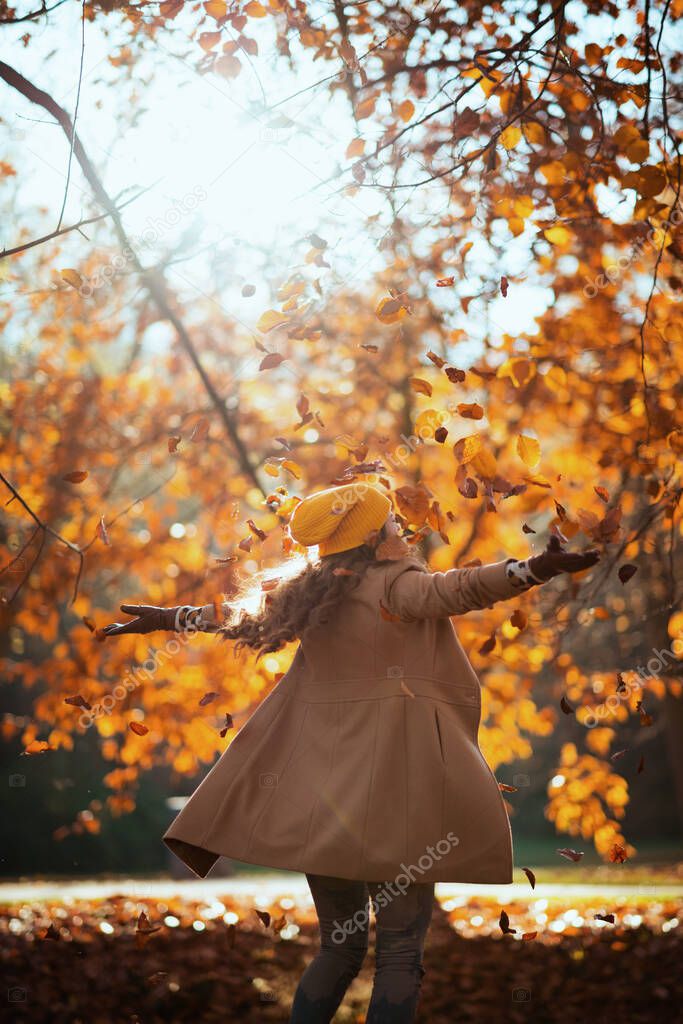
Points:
(533, 157)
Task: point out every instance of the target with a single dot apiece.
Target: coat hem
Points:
(200, 860)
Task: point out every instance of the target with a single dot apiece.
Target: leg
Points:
(402, 917)
(343, 916)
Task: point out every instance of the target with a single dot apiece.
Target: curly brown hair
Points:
(306, 599)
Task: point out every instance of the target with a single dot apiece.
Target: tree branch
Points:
(154, 283)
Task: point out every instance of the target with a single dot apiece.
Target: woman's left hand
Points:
(555, 560)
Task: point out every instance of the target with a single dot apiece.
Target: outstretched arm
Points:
(148, 619)
(417, 594)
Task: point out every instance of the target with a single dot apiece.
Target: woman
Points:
(361, 768)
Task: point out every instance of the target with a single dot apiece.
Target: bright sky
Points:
(224, 160)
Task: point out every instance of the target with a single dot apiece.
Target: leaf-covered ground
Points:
(100, 961)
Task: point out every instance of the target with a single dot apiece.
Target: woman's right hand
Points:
(148, 618)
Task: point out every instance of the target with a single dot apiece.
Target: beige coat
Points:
(363, 761)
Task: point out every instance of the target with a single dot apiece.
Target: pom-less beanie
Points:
(339, 518)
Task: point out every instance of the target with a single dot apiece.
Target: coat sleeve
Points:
(413, 592)
(204, 618)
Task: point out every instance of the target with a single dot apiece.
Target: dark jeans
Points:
(401, 920)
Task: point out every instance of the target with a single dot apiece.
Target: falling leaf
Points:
(406, 689)
(532, 878)
(102, 531)
(527, 529)
(519, 619)
(78, 702)
(271, 319)
(445, 282)
(71, 277)
(173, 443)
(626, 572)
(617, 854)
(602, 493)
(208, 698)
(264, 917)
(228, 725)
(36, 747)
(505, 788)
(454, 375)
(504, 923)
(471, 411)
(138, 728)
(440, 434)
(571, 854)
(423, 387)
(566, 706)
(529, 450)
(504, 287)
(488, 644)
(272, 360)
(76, 477)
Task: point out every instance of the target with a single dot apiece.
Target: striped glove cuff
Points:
(520, 575)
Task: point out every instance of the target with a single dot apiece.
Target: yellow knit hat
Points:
(339, 518)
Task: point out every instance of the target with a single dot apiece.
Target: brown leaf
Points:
(173, 443)
(454, 375)
(505, 788)
(489, 644)
(102, 531)
(228, 725)
(437, 360)
(440, 435)
(566, 706)
(571, 854)
(626, 572)
(264, 917)
(272, 360)
(504, 922)
(254, 529)
(605, 917)
(602, 493)
(519, 619)
(138, 728)
(76, 477)
(504, 287)
(208, 698)
(532, 878)
(78, 702)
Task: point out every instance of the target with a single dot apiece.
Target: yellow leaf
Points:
(406, 110)
(484, 463)
(529, 450)
(390, 310)
(216, 9)
(510, 136)
(355, 148)
(427, 423)
(292, 467)
(558, 235)
(467, 447)
(255, 10)
(423, 387)
(271, 319)
(71, 277)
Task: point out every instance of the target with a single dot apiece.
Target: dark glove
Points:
(148, 618)
(555, 560)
